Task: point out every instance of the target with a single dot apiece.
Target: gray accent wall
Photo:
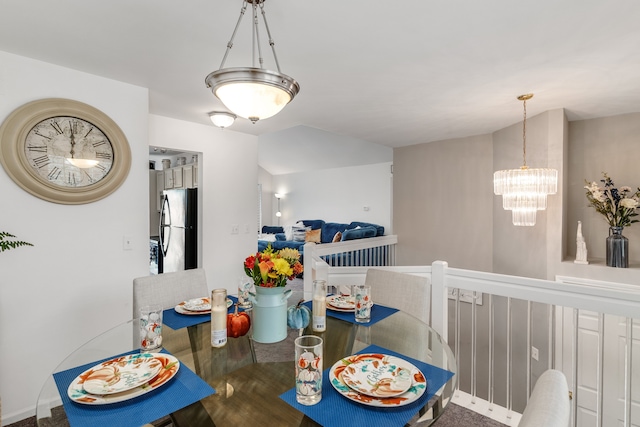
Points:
(442, 210)
(430, 179)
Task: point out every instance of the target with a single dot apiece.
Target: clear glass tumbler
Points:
(308, 362)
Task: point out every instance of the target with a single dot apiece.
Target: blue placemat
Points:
(335, 410)
(378, 312)
(180, 391)
(175, 320)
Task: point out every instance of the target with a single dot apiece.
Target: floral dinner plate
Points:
(341, 301)
(197, 304)
(120, 374)
(379, 378)
(413, 393)
(169, 368)
(180, 308)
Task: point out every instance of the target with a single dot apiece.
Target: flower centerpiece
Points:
(272, 269)
(618, 206)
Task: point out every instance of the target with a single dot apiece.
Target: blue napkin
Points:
(176, 321)
(182, 390)
(335, 410)
(378, 312)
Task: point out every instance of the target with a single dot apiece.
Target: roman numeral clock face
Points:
(68, 151)
(64, 151)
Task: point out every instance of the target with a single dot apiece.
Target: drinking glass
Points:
(244, 286)
(308, 362)
(362, 295)
(151, 328)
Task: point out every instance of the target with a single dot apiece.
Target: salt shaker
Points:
(218, 317)
(319, 306)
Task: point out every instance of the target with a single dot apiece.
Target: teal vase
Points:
(269, 314)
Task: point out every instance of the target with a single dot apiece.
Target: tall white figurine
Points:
(581, 247)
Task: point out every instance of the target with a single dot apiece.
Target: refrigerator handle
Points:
(165, 210)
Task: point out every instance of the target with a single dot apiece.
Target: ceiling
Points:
(394, 73)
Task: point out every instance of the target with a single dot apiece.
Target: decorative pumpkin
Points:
(238, 324)
(298, 316)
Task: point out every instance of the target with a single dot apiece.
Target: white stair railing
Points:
(559, 307)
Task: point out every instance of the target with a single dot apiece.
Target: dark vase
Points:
(617, 248)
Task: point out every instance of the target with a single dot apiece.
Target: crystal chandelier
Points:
(251, 92)
(524, 191)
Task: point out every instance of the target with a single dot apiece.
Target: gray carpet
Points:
(453, 416)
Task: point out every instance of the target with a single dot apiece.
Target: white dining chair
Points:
(549, 404)
(406, 292)
(168, 289)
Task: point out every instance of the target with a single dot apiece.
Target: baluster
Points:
(600, 369)
(528, 350)
(473, 347)
(627, 371)
(552, 341)
(457, 333)
(574, 361)
(509, 397)
(491, 344)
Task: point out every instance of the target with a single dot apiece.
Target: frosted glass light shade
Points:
(524, 191)
(252, 93)
(222, 119)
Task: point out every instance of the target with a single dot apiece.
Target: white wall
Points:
(228, 192)
(76, 280)
(304, 149)
(336, 195)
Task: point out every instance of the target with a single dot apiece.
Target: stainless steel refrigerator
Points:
(179, 229)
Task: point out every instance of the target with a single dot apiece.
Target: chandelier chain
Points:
(524, 134)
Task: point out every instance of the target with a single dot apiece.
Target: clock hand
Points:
(73, 141)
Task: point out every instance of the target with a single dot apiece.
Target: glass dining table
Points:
(251, 379)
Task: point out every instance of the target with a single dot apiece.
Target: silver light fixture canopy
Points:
(253, 92)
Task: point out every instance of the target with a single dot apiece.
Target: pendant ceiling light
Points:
(251, 92)
(222, 119)
(524, 191)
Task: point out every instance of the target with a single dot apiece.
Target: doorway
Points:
(171, 169)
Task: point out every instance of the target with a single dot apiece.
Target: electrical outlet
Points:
(234, 229)
(246, 228)
(127, 243)
(534, 353)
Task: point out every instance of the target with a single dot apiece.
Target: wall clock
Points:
(64, 151)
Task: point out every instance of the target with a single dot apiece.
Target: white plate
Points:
(342, 301)
(379, 378)
(417, 389)
(197, 304)
(180, 309)
(170, 366)
(120, 374)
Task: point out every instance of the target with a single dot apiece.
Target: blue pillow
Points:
(379, 228)
(281, 237)
(359, 233)
(329, 229)
(272, 229)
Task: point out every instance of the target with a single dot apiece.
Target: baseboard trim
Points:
(16, 416)
(495, 412)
